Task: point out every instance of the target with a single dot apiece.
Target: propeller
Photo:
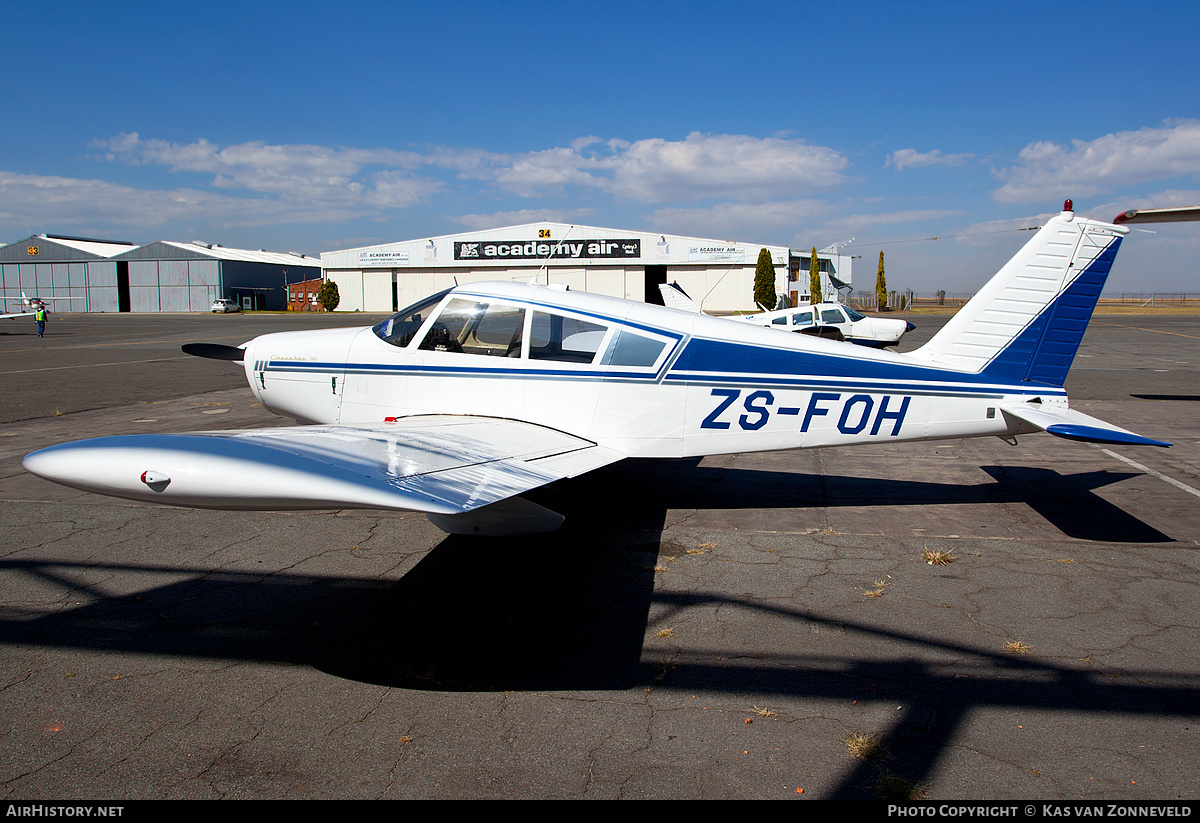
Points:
(214, 351)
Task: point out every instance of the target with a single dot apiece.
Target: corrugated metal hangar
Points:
(77, 268)
(716, 273)
(111, 276)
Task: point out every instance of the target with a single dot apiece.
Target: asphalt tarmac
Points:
(762, 626)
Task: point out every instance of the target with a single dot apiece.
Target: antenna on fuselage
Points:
(546, 259)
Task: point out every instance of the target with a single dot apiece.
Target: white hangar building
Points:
(718, 274)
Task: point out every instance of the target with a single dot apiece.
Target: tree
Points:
(814, 277)
(328, 296)
(880, 286)
(764, 281)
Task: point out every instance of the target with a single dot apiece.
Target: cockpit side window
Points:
(564, 339)
(474, 327)
(401, 327)
(832, 316)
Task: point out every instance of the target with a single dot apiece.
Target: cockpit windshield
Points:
(401, 326)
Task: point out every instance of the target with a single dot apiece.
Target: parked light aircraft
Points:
(458, 404)
(33, 304)
(834, 320)
(826, 319)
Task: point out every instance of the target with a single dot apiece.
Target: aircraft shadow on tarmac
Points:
(547, 617)
(570, 611)
(1166, 396)
(1068, 502)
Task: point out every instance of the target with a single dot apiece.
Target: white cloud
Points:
(747, 169)
(33, 200)
(737, 220)
(257, 183)
(911, 158)
(522, 217)
(549, 171)
(1085, 168)
(1004, 233)
(296, 172)
(860, 221)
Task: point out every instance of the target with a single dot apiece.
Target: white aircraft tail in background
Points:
(674, 297)
(462, 402)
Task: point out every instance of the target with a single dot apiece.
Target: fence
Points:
(1164, 299)
(907, 300)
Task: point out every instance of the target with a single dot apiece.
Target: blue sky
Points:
(312, 127)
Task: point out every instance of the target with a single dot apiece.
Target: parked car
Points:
(225, 305)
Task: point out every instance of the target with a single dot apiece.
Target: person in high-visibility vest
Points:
(40, 317)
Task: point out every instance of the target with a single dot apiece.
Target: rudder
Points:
(1027, 322)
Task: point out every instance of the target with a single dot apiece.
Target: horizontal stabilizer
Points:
(437, 464)
(1075, 425)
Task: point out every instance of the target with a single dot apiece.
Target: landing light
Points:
(155, 480)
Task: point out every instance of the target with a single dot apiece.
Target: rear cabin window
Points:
(564, 339)
(475, 327)
(803, 318)
(632, 349)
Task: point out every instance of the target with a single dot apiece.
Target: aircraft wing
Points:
(450, 467)
(16, 314)
(1075, 425)
(1176, 214)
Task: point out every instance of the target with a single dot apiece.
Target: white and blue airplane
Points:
(459, 404)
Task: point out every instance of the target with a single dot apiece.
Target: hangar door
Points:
(655, 275)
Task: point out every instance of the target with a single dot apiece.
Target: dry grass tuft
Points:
(938, 557)
(866, 746)
(1016, 647)
(891, 786)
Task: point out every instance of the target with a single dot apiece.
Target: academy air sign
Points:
(380, 257)
(546, 250)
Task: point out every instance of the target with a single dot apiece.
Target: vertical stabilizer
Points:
(675, 297)
(1027, 323)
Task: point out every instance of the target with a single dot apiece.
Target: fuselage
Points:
(645, 380)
